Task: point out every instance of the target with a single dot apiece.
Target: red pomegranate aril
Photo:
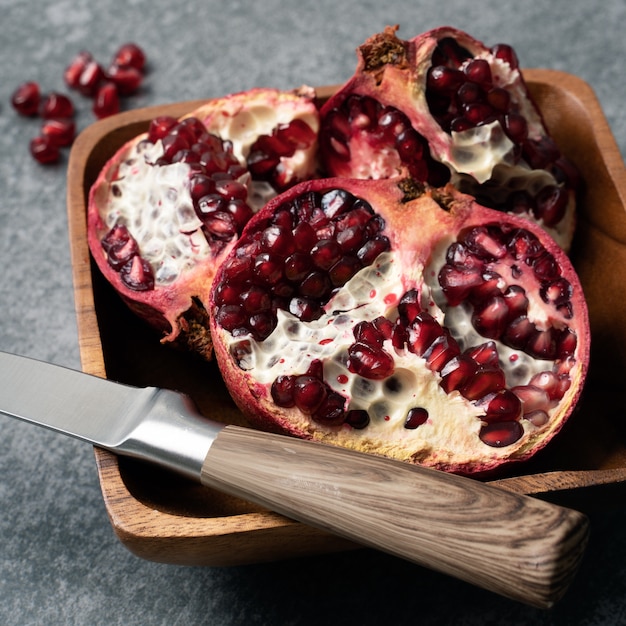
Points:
(542, 344)
(137, 274)
(282, 391)
(518, 333)
(546, 267)
(56, 105)
(130, 55)
(127, 79)
(368, 253)
(504, 406)
(567, 343)
(325, 254)
(457, 372)
(278, 240)
(267, 268)
(478, 71)
(220, 225)
(75, 69)
(416, 417)
(444, 79)
(551, 204)
(44, 150)
(422, 332)
(160, 126)
(492, 317)
(485, 354)
(332, 410)
(370, 362)
(507, 54)
(440, 352)
(357, 418)
(366, 332)
(26, 98)
(60, 131)
(532, 398)
(537, 418)
(231, 316)
(255, 300)
(309, 393)
(316, 285)
(458, 283)
(342, 271)
(106, 101)
(501, 434)
(486, 380)
(90, 78)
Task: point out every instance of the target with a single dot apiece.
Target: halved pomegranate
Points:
(442, 107)
(401, 320)
(169, 205)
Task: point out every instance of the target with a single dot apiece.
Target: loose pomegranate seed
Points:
(75, 69)
(128, 79)
(44, 150)
(106, 101)
(130, 55)
(357, 418)
(26, 98)
(90, 78)
(60, 131)
(56, 105)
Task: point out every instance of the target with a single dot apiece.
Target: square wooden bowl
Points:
(162, 517)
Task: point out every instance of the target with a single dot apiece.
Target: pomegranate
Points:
(27, 98)
(170, 204)
(444, 107)
(461, 344)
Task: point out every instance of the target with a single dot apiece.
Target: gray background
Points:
(59, 560)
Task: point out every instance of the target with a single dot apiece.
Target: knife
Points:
(520, 547)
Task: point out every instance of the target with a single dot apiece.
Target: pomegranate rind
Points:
(394, 72)
(178, 311)
(452, 446)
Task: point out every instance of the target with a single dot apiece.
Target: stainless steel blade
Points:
(154, 424)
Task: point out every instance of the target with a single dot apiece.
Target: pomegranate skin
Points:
(495, 157)
(173, 301)
(453, 433)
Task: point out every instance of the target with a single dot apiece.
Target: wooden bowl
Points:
(162, 517)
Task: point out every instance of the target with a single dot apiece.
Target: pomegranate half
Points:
(401, 320)
(444, 107)
(170, 204)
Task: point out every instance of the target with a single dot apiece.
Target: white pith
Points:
(453, 425)
(154, 203)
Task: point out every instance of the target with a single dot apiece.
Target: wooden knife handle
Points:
(514, 545)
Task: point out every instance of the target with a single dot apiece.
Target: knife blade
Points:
(514, 545)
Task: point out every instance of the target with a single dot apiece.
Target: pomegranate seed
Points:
(501, 434)
(486, 380)
(422, 332)
(342, 271)
(506, 53)
(478, 71)
(370, 361)
(532, 398)
(457, 372)
(261, 325)
(504, 406)
(416, 417)
(160, 127)
(309, 392)
(440, 352)
(441, 78)
(60, 131)
(277, 240)
(76, 67)
(325, 253)
(90, 78)
(546, 268)
(106, 101)
(316, 285)
(542, 345)
(551, 204)
(137, 274)
(516, 127)
(220, 225)
(485, 354)
(537, 418)
(457, 284)
(282, 391)
(499, 99)
(518, 333)
(567, 343)
(56, 105)
(370, 250)
(255, 300)
(516, 301)
(357, 418)
(26, 98)
(331, 412)
(130, 55)
(490, 320)
(128, 79)
(368, 333)
(231, 317)
(44, 150)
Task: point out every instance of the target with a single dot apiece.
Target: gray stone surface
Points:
(59, 560)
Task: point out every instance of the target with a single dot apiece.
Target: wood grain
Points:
(185, 524)
(515, 545)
